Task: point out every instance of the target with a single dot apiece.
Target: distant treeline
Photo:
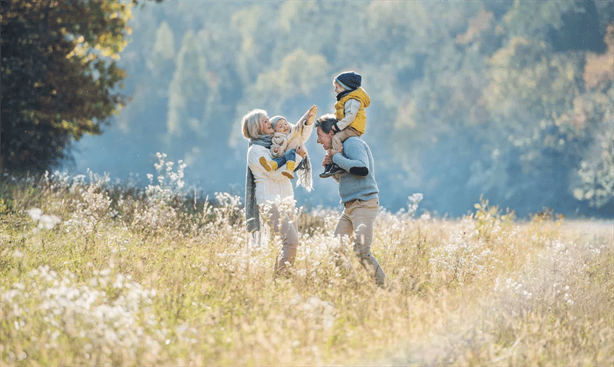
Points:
(511, 100)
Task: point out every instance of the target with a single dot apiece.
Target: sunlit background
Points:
(509, 100)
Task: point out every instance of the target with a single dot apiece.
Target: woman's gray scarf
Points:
(252, 217)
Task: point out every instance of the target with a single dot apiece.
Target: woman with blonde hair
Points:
(270, 193)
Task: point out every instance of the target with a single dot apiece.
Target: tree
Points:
(595, 178)
(59, 76)
(189, 91)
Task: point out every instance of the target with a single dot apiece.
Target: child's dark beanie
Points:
(349, 80)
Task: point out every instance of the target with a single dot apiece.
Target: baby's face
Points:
(282, 126)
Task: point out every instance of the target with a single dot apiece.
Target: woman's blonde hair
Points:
(250, 124)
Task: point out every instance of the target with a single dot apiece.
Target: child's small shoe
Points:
(331, 170)
(335, 169)
(325, 173)
(268, 165)
(289, 172)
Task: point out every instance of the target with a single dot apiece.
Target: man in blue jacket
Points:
(358, 191)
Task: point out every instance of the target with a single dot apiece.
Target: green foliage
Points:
(5, 207)
(59, 76)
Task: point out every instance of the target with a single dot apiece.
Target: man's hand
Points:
(328, 159)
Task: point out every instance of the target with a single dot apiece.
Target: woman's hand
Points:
(300, 150)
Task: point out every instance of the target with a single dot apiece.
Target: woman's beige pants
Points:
(282, 220)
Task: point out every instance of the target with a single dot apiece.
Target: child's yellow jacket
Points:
(360, 122)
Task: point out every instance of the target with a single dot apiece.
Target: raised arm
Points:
(305, 124)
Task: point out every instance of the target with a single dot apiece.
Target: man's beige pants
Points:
(357, 221)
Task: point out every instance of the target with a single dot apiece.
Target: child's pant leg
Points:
(290, 155)
(342, 136)
(280, 161)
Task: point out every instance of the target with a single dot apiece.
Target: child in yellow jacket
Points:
(352, 100)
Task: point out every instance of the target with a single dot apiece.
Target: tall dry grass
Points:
(94, 272)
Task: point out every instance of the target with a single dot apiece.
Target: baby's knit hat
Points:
(274, 120)
(349, 80)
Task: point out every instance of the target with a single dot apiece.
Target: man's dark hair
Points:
(326, 122)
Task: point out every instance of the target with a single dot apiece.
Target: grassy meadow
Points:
(101, 273)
